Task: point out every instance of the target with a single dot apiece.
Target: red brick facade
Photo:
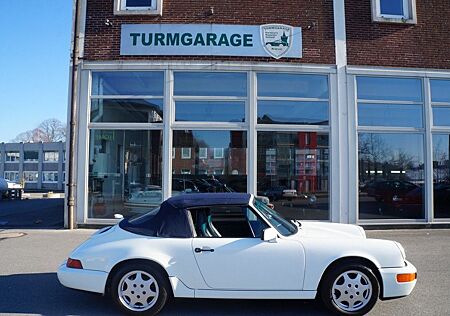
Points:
(424, 45)
(315, 17)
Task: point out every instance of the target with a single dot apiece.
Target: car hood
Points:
(330, 230)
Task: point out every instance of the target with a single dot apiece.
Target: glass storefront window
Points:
(391, 176)
(124, 172)
(290, 112)
(441, 175)
(401, 115)
(292, 85)
(393, 89)
(440, 90)
(210, 111)
(293, 172)
(127, 110)
(128, 83)
(217, 161)
(210, 84)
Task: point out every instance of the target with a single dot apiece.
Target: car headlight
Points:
(402, 250)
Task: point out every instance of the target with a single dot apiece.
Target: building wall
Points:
(423, 45)
(102, 42)
(38, 166)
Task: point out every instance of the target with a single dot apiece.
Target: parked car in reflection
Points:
(274, 193)
(441, 197)
(389, 191)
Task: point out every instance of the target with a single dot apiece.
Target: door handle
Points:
(198, 250)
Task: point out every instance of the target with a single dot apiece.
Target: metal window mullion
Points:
(294, 99)
(389, 129)
(127, 126)
(252, 135)
(429, 210)
(440, 129)
(167, 134)
(209, 98)
(208, 126)
(121, 97)
(440, 104)
(291, 128)
(389, 102)
(353, 193)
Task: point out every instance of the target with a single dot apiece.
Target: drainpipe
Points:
(73, 118)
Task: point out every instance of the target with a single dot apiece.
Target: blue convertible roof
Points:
(204, 199)
(172, 219)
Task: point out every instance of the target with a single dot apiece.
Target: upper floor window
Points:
(138, 7)
(394, 11)
(12, 156)
(51, 156)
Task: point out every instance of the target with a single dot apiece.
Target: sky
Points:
(34, 63)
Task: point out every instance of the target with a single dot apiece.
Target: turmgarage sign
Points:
(275, 40)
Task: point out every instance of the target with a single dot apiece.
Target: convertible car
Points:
(232, 245)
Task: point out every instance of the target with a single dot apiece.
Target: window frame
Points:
(8, 157)
(50, 172)
(120, 8)
(189, 151)
(30, 172)
(45, 160)
(16, 177)
(409, 13)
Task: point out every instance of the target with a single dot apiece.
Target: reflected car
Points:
(389, 191)
(194, 246)
(441, 197)
(274, 193)
(145, 197)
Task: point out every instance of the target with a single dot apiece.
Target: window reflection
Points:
(293, 172)
(217, 161)
(286, 112)
(441, 175)
(391, 176)
(385, 88)
(127, 110)
(128, 83)
(292, 85)
(208, 111)
(124, 172)
(210, 84)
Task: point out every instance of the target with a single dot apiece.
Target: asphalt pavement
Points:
(29, 286)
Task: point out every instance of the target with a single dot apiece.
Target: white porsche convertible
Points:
(231, 245)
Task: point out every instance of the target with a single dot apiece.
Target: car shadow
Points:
(41, 293)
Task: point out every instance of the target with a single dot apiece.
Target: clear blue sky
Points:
(34, 63)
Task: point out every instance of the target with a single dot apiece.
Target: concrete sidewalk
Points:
(29, 285)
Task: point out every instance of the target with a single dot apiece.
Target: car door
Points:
(239, 260)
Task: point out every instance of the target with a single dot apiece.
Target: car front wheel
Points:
(350, 289)
(140, 289)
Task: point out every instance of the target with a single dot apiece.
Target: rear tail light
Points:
(406, 277)
(74, 263)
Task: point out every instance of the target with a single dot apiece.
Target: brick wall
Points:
(424, 45)
(102, 42)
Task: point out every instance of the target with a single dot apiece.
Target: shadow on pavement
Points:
(32, 214)
(41, 293)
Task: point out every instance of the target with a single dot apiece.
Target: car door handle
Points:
(198, 250)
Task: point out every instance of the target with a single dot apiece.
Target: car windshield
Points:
(283, 226)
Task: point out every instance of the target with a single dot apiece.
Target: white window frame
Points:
(7, 176)
(44, 173)
(183, 154)
(409, 13)
(203, 152)
(48, 152)
(8, 158)
(218, 153)
(121, 8)
(31, 172)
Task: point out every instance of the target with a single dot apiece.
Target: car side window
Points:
(226, 221)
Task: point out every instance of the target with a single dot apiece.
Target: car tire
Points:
(350, 289)
(140, 289)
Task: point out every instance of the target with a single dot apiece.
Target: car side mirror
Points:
(270, 235)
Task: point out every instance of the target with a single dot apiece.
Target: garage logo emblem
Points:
(276, 39)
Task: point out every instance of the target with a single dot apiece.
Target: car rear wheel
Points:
(140, 288)
(350, 289)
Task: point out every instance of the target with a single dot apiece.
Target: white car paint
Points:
(288, 267)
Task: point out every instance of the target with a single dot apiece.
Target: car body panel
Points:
(282, 268)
